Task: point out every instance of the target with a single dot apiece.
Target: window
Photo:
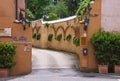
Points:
(20, 9)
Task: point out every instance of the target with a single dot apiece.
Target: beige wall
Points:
(7, 17)
(72, 27)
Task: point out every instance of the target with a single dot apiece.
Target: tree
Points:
(60, 8)
(72, 6)
(37, 7)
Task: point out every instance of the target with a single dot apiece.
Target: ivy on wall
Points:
(36, 36)
(76, 41)
(68, 37)
(59, 37)
(50, 37)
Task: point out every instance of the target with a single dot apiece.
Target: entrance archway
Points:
(49, 59)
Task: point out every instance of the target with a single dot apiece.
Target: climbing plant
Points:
(36, 36)
(76, 41)
(59, 37)
(50, 37)
(68, 37)
(83, 8)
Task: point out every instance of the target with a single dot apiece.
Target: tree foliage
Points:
(72, 6)
(60, 9)
(37, 7)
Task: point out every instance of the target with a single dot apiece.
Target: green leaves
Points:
(83, 6)
(50, 37)
(106, 46)
(68, 37)
(36, 36)
(52, 16)
(76, 41)
(37, 7)
(7, 52)
(59, 37)
(60, 10)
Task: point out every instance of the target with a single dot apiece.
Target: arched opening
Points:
(49, 59)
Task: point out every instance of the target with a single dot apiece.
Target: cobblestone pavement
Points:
(41, 72)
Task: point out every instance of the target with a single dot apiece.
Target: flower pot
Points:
(4, 72)
(117, 68)
(103, 68)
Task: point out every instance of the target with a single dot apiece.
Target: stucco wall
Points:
(22, 58)
(73, 27)
(64, 28)
(110, 15)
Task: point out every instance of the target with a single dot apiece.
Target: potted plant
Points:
(117, 68)
(115, 51)
(100, 42)
(116, 63)
(7, 52)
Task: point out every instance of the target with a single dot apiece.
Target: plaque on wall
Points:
(5, 32)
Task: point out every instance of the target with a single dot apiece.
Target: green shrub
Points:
(38, 36)
(34, 36)
(76, 41)
(7, 52)
(100, 41)
(68, 37)
(50, 37)
(52, 16)
(59, 37)
(106, 46)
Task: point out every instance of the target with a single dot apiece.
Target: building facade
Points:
(19, 33)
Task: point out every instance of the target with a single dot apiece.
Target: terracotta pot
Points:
(4, 72)
(103, 68)
(117, 68)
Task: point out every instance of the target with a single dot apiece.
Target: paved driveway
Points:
(42, 59)
(41, 73)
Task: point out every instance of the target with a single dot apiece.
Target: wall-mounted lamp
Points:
(85, 51)
(87, 20)
(24, 23)
(86, 23)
